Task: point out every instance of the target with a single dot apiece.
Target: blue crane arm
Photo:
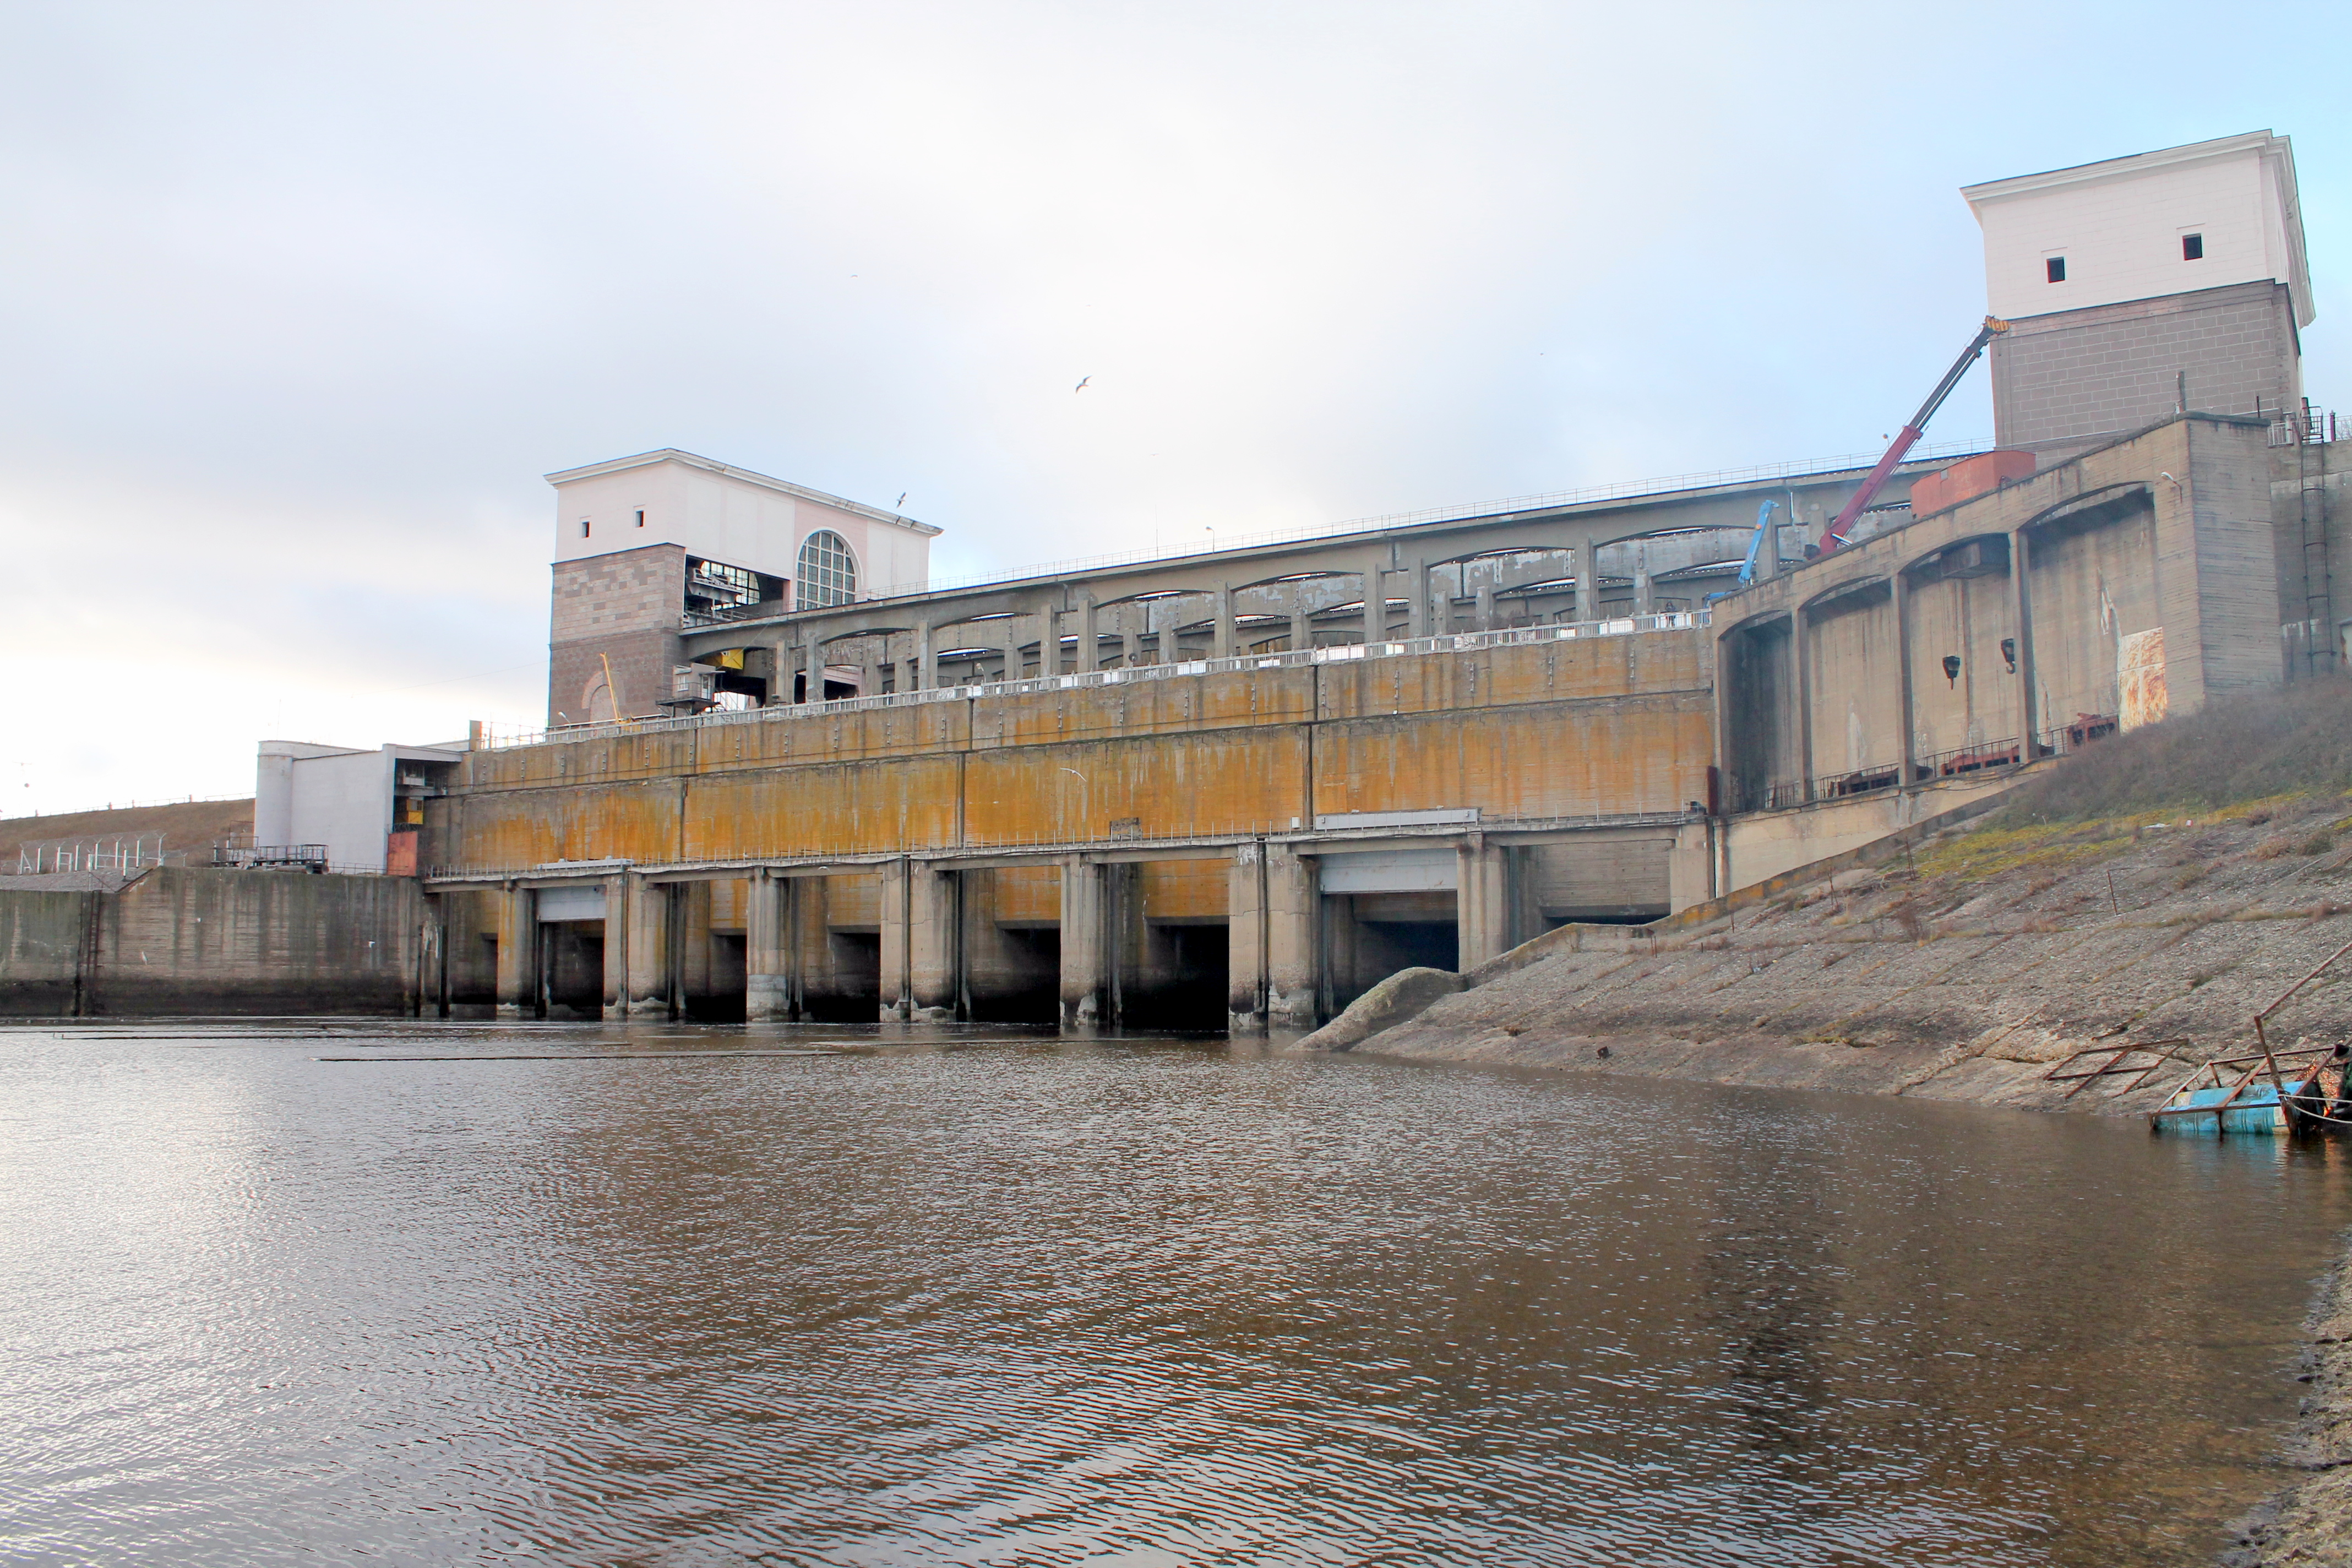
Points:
(1756, 542)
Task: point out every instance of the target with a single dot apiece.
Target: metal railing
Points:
(1960, 762)
(102, 852)
(1457, 642)
(1273, 833)
(310, 858)
(2307, 426)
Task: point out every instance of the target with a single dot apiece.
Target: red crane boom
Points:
(1993, 327)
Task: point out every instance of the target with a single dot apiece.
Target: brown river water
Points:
(977, 1297)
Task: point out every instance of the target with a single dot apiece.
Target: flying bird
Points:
(899, 502)
(1082, 386)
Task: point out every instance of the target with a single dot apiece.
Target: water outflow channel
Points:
(980, 1298)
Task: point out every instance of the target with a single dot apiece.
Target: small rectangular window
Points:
(641, 520)
(2192, 247)
(584, 528)
(2055, 266)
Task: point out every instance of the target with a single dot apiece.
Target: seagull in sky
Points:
(899, 502)
(1082, 386)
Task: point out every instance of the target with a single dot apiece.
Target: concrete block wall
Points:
(624, 609)
(2064, 381)
(2238, 611)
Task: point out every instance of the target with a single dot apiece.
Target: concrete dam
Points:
(786, 774)
(1247, 829)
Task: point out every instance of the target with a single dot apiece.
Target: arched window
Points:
(828, 573)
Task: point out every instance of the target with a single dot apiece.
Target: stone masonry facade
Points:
(623, 610)
(2068, 380)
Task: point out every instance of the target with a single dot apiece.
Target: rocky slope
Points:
(1962, 972)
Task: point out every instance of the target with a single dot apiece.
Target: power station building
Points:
(783, 777)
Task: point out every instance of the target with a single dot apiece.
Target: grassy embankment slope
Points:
(191, 826)
(2164, 885)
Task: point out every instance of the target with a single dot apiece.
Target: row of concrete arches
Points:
(1499, 585)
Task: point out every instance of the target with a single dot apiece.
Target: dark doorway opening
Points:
(849, 989)
(1025, 985)
(571, 969)
(720, 1000)
(1181, 983)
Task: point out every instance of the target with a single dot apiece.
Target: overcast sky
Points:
(299, 302)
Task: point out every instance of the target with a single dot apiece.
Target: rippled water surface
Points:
(986, 1299)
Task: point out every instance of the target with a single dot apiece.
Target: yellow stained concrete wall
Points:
(1633, 755)
(853, 903)
(1593, 726)
(1161, 786)
(1026, 895)
(1184, 889)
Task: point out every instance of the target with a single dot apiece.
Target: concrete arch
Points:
(2089, 500)
(1850, 585)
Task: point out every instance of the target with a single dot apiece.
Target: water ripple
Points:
(1027, 1302)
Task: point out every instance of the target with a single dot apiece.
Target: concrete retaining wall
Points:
(199, 940)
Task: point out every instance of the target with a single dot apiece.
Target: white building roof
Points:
(745, 476)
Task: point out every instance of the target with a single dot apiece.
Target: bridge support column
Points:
(919, 945)
(1270, 932)
(518, 983)
(926, 674)
(1088, 659)
(769, 951)
(1376, 600)
(1416, 576)
(1691, 866)
(1484, 614)
(1220, 634)
(616, 1001)
(1587, 579)
(2029, 700)
(1801, 661)
(1482, 912)
(651, 963)
(1302, 631)
(1086, 970)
